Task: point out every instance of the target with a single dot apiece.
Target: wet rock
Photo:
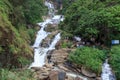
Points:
(87, 73)
(48, 65)
(57, 75)
(47, 41)
(57, 46)
(35, 68)
(42, 74)
(51, 28)
(63, 68)
(61, 76)
(50, 52)
(70, 78)
(78, 78)
(53, 75)
(98, 78)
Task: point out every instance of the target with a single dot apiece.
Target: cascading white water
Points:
(40, 52)
(56, 39)
(51, 8)
(40, 36)
(107, 72)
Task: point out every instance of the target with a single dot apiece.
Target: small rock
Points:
(53, 75)
(35, 68)
(62, 67)
(70, 78)
(61, 75)
(77, 78)
(48, 65)
(98, 78)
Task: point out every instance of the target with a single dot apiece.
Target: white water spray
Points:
(40, 52)
(107, 72)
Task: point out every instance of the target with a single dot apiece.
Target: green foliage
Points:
(16, 75)
(14, 42)
(65, 4)
(66, 44)
(115, 60)
(31, 32)
(27, 11)
(66, 35)
(33, 10)
(91, 18)
(23, 61)
(13, 49)
(90, 58)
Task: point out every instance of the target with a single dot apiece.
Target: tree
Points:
(91, 18)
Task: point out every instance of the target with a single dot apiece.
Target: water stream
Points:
(40, 52)
(107, 72)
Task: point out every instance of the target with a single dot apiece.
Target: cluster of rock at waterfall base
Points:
(52, 71)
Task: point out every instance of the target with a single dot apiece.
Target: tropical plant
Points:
(115, 60)
(90, 58)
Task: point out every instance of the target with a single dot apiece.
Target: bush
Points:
(115, 60)
(90, 58)
(66, 44)
(31, 33)
(16, 75)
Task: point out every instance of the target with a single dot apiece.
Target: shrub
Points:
(66, 44)
(90, 58)
(115, 60)
(31, 33)
(16, 75)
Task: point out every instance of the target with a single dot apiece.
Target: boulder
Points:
(63, 68)
(51, 27)
(48, 65)
(47, 41)
(87, 73)
(98, 78)
(53, 75)
(57, 46)
(35, 69)
(61, 76)
(59, 56)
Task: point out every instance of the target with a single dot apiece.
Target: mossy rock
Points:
(51, 27)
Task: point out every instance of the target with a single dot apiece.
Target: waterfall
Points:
(51, 8)
(56, 39)
(40, 52)
(107, 72)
